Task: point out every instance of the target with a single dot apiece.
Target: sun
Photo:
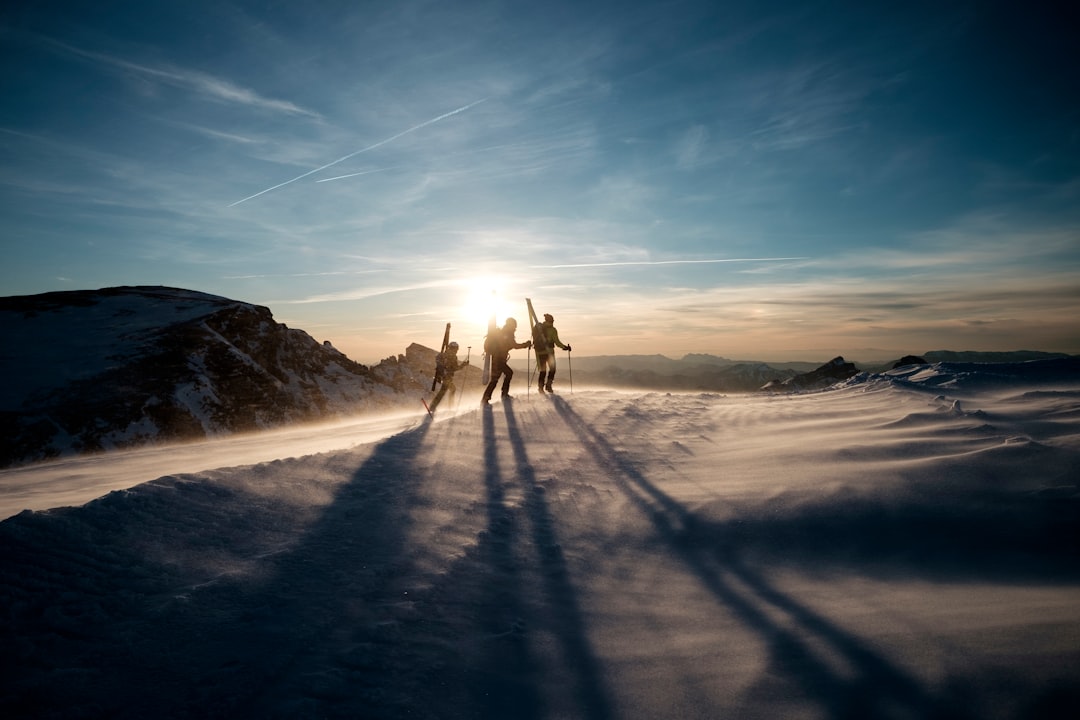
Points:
(484, 296)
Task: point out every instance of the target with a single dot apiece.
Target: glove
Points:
(567, 348)
(528, 344)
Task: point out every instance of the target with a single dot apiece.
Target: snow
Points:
(903, 545)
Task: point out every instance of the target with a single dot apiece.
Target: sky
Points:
(773, 181)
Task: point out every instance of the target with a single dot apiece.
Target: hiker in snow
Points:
(498, 345)
(545, 352)
(448, 362)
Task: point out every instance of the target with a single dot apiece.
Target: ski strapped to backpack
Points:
(489, 349)
(539, 338)
(439, 369)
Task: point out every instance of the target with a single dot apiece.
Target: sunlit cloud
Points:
(670, 262)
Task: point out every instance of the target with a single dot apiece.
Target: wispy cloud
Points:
(669, 262)
(691, 146)
(204, 84)
(334, 273)
(805, 105)
(360, 293)
(973, 242)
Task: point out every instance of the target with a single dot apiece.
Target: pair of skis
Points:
(440, 371)
(538, 338)
(539, 342)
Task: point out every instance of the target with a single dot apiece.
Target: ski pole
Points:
(570, 367)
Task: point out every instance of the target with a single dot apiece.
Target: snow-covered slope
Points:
(904, 545)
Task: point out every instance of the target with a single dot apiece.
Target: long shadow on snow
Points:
(495, 666)
(329, 633)
(321, 630)
(346, 625)
(510, 589)
(877, 687)
(566, 621)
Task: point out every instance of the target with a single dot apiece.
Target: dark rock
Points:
(909, 360)
(832, 372)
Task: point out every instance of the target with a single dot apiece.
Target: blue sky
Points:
(754, 180)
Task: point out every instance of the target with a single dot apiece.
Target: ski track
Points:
(599, 556)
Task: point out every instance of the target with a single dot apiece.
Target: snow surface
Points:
(903, 545)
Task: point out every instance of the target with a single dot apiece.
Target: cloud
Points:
(329, 273)
(364, 293)
(208, 86)
(670, 262)
(215, 134)
(805, 105)
(690, 147)
(978, 242)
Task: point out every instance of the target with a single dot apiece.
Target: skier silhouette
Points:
(448, 362)
(498, 345)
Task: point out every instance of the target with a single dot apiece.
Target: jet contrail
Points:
(363, 172)
(670, 262)
(363, 150)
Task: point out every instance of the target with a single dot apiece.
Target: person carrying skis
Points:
(545, 352)
(498, 346)
(448, 362)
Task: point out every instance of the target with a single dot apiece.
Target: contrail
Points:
(363, 150)
(364, 172)
(669, 262)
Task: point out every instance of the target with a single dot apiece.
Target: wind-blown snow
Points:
(904, 545)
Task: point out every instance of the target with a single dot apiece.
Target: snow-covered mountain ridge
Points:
(120, 367)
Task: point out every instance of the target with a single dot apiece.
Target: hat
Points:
(453, 346)
(547, 316)
(511, 321)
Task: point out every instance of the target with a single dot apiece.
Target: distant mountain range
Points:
(120, 367)
(710, 373)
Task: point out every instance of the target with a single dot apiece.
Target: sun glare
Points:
(484, 296)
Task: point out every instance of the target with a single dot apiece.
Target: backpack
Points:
(539, 338)
(495, 344)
